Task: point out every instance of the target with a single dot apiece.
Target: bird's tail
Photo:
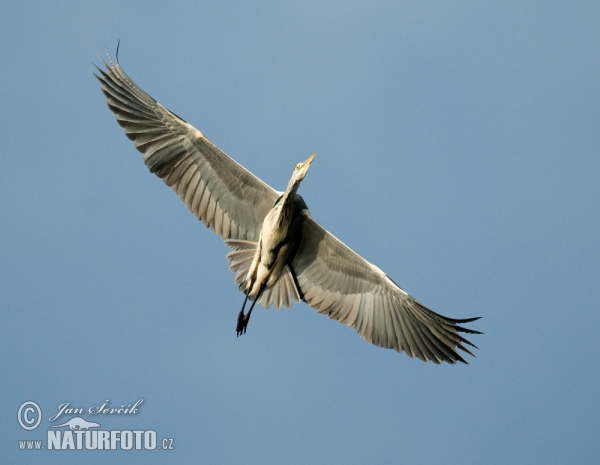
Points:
(279, 294)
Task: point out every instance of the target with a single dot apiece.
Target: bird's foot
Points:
(242, 323)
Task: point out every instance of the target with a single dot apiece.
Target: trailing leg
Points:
(242, 321)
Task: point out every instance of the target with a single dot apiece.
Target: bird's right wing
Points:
(218, 190)
(341, 284)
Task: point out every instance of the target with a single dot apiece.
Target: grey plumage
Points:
(316, 266)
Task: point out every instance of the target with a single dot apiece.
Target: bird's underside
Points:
(319, 269)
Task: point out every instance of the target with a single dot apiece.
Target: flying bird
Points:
(279, 252)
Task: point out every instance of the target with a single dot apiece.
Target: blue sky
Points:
(457, 149)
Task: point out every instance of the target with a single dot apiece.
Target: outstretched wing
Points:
(341, 284)
(218, 190)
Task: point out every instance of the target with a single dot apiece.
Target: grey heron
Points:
(279, 253)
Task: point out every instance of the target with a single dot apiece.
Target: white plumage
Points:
(280, 254)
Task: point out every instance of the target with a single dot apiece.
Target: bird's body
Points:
(279, 252)
(279, 236)
(278, 242)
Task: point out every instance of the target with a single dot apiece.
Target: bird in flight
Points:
(279, 253)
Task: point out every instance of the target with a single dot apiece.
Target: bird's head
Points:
(300, 171)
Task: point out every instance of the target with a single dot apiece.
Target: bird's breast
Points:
(274, 231)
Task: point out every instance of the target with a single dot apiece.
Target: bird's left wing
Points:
(218, 190)
(341, 284)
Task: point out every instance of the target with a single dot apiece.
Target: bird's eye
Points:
(297, 167)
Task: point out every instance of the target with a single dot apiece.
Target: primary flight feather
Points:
(280, 254)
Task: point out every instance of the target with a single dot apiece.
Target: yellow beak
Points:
(310, 159)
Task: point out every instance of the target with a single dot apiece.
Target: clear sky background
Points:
(458, 149)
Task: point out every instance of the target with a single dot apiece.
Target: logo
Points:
(79, 433)
(30, 415)
(77, 423)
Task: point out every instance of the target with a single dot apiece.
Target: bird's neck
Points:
(289, 193)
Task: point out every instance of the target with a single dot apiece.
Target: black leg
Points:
(242, 321)
(241, 327)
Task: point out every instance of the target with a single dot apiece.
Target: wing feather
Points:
(341, 284)
(219, 191)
